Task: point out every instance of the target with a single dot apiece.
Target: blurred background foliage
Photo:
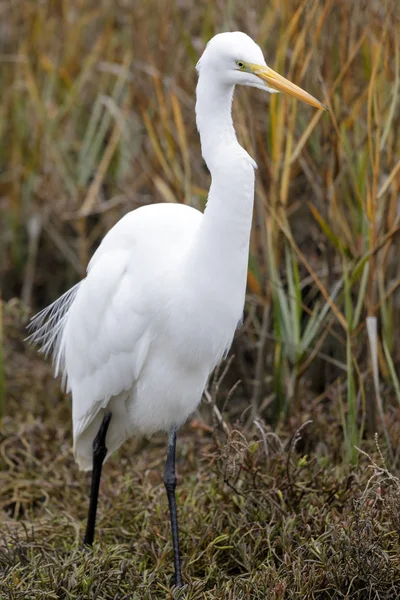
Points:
(97, 118)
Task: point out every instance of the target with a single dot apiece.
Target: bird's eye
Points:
(240, 64)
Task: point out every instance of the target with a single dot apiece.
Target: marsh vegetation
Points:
(277, 500)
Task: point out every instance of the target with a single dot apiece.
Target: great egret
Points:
(137, 339)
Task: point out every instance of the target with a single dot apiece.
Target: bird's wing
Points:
(100, 332)
(98, 335)
(106, 336)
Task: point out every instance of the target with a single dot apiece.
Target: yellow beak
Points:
(281, 84)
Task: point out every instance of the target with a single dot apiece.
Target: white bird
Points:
(137, 338)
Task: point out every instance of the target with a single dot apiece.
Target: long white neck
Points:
(214, 118)
(220, 251)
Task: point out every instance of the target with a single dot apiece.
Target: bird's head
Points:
(237, 60)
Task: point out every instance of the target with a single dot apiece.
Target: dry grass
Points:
(261, 516)
(97, 118)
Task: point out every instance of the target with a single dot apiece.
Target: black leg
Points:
(170, 486)
(99, 454)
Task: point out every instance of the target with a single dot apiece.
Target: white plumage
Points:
(165, 290)
(137, 339)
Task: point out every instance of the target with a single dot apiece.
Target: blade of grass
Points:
(372, 328)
